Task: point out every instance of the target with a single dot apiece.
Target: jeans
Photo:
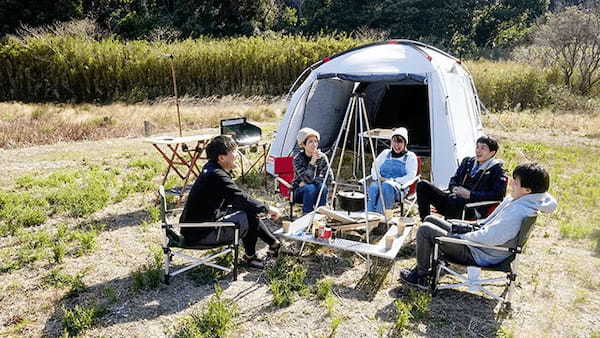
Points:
(307, 195)
(374, 200)
(436, 227)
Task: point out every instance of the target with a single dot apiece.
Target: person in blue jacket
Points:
(528, 196)
(479, 178)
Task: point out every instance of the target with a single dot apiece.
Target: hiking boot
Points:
(412, 278)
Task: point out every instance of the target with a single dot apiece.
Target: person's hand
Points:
(315, 157)
(302, 184)
(462, 192)
(274, 213)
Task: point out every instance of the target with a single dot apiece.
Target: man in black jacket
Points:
(479, 178)
(215, 197)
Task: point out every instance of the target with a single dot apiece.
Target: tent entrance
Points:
(402, 105)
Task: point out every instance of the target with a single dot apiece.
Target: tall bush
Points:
(76, 69)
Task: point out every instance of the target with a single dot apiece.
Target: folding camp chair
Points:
(491, 206)
(173, 240)
(472, 278)
(410, 199)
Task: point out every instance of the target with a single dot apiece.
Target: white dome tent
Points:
(405, 83)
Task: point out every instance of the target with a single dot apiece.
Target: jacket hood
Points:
(490, 163)
(543, 202)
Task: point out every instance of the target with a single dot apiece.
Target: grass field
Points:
(80, 244)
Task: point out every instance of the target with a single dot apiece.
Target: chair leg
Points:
(236, 248)
(167, 253)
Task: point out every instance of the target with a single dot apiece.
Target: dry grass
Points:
(33, 124)
(558, 293)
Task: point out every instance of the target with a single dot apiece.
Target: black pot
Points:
(351, 200)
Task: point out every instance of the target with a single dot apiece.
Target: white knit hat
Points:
(401, 132)
(304, 133)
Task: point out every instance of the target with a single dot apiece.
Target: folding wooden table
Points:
(176, 152)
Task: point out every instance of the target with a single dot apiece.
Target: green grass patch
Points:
(57, 278)
(208, 275)
(216, 320)
(149, 275)
(80, 318)
(287, 277)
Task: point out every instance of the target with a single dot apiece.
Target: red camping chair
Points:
(284, 175)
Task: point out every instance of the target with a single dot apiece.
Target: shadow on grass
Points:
(452, 313)
(128, 305)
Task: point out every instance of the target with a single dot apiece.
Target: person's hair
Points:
(220, 145)
(398, 137)
(491, 142)
(533, 176)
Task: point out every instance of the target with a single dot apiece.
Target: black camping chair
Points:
(471, 279)
(173, 240)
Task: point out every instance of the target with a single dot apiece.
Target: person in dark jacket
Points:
(479, 178)
(310, 169)
(215, 197)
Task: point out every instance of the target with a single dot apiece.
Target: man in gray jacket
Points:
(528, 196)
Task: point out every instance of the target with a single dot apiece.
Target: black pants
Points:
(447, 204)
(436, 227)
(251, 228)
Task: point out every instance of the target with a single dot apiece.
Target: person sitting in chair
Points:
(479, 178)
(393, 168)
(528, 196)
(215, 197)
(310, 169)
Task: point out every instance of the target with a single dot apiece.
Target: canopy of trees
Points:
(459, 25)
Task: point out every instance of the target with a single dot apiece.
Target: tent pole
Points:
(364, 171)
(366, 117)
(351, 108)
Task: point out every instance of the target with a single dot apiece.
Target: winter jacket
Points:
(213, 192)
(306, 172)
(502, 226)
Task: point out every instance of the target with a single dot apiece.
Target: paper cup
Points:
(285, 225)
(400, 228)
(389, 242)
(389, 213)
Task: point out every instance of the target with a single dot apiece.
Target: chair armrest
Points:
(411, 182)
(478, 204)
(469, 243)
(366, 179)
(204, 225)
(284, 182)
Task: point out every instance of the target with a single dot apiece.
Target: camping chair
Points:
(492, 206)
(173, 240)
(284, 175)
(472, 279)
(410, 187)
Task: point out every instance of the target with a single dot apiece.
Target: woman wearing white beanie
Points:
(393, 167)
(310, 169)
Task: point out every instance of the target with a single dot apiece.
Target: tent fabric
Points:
(377, 71)
(375, 77)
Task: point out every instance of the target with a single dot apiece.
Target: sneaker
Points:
(412, 278)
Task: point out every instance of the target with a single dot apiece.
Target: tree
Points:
(14, 13)
(572, 38)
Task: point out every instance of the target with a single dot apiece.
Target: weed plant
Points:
(403, 316)
(208, 275)
(216, 320)
(80, 318)
(287, 277)
(323, 288)
(57, 278)
(149, 275)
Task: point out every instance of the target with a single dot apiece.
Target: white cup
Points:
(389, 242)
(285, 225)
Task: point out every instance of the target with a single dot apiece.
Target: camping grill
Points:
(243, 132)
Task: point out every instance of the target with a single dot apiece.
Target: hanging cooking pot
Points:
(351, 200)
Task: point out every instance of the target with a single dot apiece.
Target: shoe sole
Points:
(415, 285)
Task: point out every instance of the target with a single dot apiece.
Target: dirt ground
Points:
(558, 291)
